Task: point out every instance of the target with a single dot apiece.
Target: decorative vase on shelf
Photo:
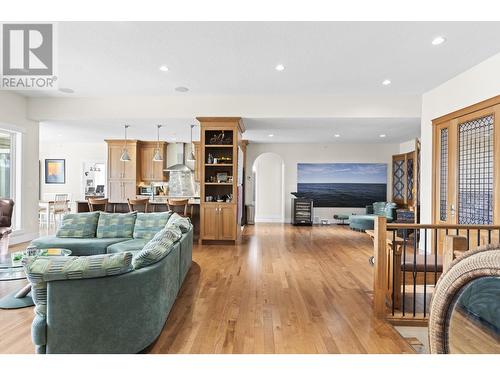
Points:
(210, 159)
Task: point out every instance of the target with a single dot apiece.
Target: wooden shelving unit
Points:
(219, 200)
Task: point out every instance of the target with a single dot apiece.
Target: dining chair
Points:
(98, 204)
(61, 206)
(174, 204)
(134, 203)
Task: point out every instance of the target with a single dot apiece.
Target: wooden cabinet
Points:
(197, 164)
(115, 192)
(125, 176)
(217, 170)
(152, 171)
(120, 190)
(210, 220)
(122, 175)
(227, 221)
(218, 221)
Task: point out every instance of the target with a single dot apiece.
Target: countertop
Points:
(157, 200)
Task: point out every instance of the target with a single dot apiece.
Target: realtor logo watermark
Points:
(28, 57)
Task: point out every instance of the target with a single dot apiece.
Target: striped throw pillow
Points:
(183, 223)
(41, 269)
(157, 248)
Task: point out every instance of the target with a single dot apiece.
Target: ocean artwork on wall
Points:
(342, 184)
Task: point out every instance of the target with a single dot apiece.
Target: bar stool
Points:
(172, 204)
(96, 203)
(143, 202)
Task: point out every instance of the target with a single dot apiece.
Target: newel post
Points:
(452, 246)
(380, 270)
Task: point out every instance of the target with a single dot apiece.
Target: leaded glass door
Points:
(466, 170)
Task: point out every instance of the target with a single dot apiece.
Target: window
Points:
(443, 176)
(9, 165)
(475, 184)
(6, 143)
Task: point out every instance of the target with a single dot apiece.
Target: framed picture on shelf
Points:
(222, 177)
(55, 171)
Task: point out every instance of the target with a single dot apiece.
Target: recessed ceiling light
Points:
(337, 135)
(164, 68)
(382, 135)
(67, 90)
(386, 82)
(280, 67)
(181, 89)
(438, 40)
(59, 135)
(271, 135)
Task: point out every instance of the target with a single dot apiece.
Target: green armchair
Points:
(367, 221)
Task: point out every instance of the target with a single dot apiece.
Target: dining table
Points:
(48, 207)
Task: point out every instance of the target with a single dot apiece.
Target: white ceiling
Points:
(317, 130)
(238, 58)
(296, 130)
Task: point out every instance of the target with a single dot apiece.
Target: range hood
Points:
(180, 176)
(176, 158)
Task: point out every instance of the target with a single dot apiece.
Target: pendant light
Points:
(125, 156)
(157, 156)
(192, 156)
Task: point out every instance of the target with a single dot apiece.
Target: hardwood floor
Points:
(284, 289)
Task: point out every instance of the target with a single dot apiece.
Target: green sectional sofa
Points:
(84, 307)
(367, 221)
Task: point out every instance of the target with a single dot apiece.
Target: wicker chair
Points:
(471, 267)
(6, 210)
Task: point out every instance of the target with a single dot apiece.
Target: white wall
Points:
(13, 116)
(407, 146)
(318, 153)
(269, 203)
(474, 85)
(75, 154)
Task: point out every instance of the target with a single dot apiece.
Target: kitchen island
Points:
(157, 204)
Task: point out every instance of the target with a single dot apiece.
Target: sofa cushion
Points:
(78, 246)
(116, 225)
(183, 223)
(130, 245)
(157, 248)
(148, 224)
(81, 225)
(41, 269)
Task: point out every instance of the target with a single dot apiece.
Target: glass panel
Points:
(409, 169)
(398, 176)
(443, 176)
(474, 325)
(475, 184)
(5, 165)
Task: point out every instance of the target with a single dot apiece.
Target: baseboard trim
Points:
(269, 220)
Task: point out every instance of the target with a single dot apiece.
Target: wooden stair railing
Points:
(410, 258)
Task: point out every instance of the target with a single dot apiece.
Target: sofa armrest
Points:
(117, 314)
(186, 254)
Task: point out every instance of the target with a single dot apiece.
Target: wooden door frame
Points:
(451, 120)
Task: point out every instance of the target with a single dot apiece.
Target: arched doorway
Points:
(268, 171)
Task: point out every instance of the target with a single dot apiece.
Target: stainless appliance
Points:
(150, 190)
